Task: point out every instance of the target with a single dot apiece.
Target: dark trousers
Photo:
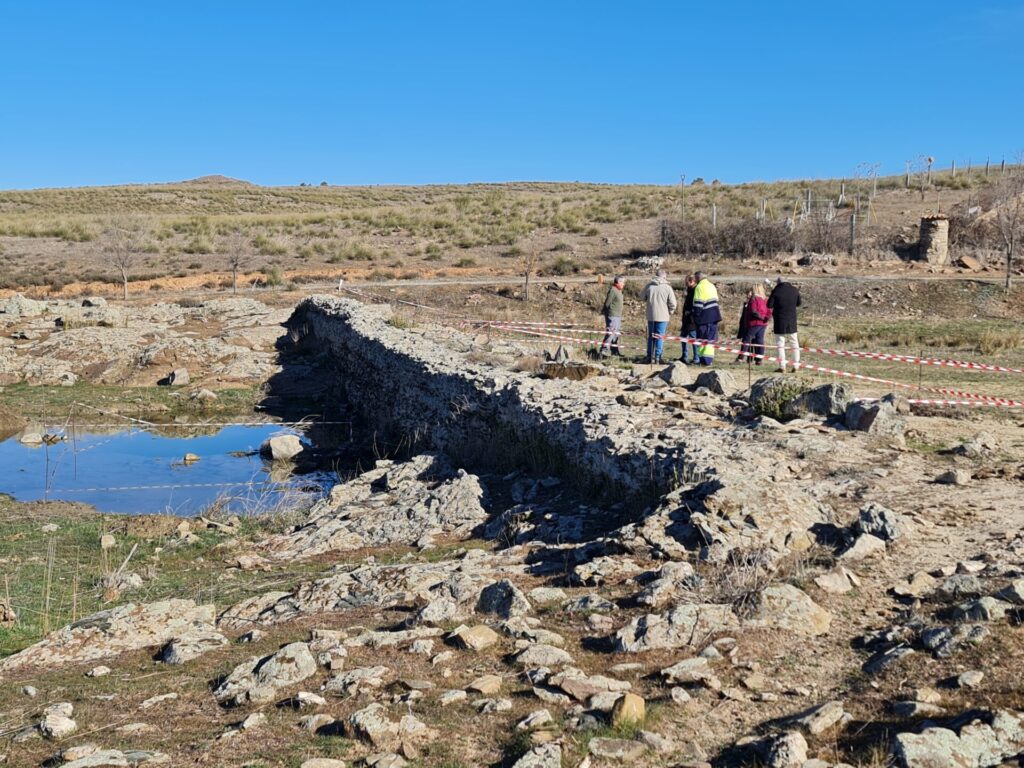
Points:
(753, 342)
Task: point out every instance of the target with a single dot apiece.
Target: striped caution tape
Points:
(974, 399)
(882, 356)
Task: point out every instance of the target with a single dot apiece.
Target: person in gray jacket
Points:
(661, 303)
(612, 311)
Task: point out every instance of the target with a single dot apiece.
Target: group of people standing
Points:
(702, 316)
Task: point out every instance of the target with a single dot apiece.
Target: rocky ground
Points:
(839, 584)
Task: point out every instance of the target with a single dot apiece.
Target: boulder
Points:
(786, 750)
(541, 655)
(475, 638)
(677, 374)
(373, 726)
(544, 756)
(128, 627)
(629, 710)
(785, 607)
(620, 750)
(679, 628)
(407, 503)
(718, 381)
(179, 651)
(504, 599)
(958, 476)
(178, 377)
(879, 417)
(827, 401)
(258, 680)
(56, 722)
(983, 741)
(281, 447)
(876, 520)
(863, 547)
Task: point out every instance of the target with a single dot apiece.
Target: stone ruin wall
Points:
(423, 386)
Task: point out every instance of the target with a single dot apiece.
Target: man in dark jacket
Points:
(612, 311)
(689, 328)
(783, 302)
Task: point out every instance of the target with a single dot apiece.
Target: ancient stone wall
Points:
(421, 385)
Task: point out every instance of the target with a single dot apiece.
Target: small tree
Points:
(235, 249)
(1009, 207)
(124, 236)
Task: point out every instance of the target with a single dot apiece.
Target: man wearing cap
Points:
(612, 311)
(706, 316)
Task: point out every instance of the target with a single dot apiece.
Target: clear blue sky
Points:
(437, 92)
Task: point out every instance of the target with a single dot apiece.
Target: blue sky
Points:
(441, 92)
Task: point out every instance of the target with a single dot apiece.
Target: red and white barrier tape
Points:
(974, 399)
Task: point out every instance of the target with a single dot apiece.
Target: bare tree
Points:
(125, 238)
(1009, 206)
(235, 249)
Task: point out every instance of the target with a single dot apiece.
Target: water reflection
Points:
(140, 470)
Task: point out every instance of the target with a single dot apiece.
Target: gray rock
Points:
(958, 476)
(677, 374)
(880, 417)
(598, 571)
(179, 651)
(504, 599)
(819, 719)
(786, 750)
(986, 741)
(128, 627)
(541, 655)
(544, 756)
(258, 680)
(863, 547)
(100, 758)
(785, 607)
(876, 520)
(970, 679)
(688, 671)
(982, 609)
(353, 681)
(589, 604)
(718, 381)
(682, 627)
(281, 447)
(405, 503)
(544, 595)
(1014, 593)
(886, 660)
(56, 722)
(621, 750)
(826, 401)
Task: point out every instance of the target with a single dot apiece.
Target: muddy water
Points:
(139, 471)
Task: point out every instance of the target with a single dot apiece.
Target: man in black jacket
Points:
(783, 302)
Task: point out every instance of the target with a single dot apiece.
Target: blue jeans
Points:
(655, 346)
(690, 349)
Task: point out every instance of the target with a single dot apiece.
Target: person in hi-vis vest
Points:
(706, 316)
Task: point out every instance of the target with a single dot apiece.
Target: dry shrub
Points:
(739, 581)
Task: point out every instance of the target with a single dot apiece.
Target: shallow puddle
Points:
(142, 470)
